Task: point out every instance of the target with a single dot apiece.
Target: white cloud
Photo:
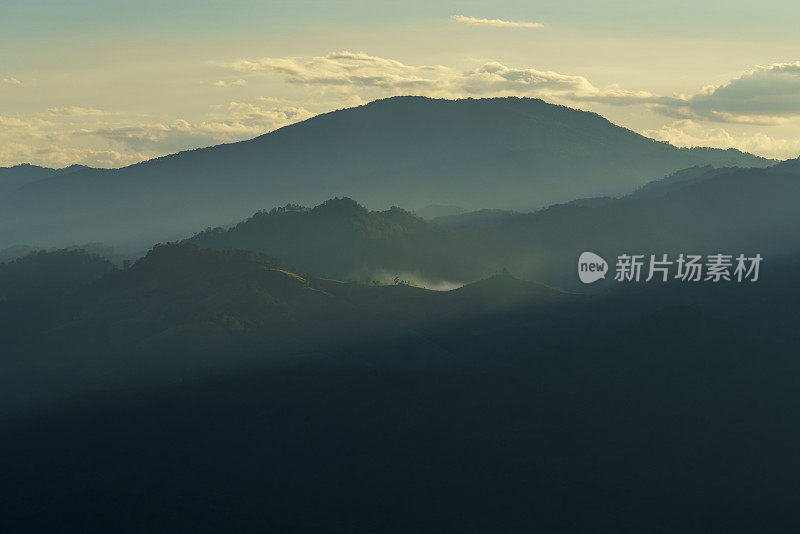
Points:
(10, 80)
(235, 121)
(358, 71)
(689, 133)
(346, 69)
(124, 139)
(760, 96)
(495, 23)
(492, 77)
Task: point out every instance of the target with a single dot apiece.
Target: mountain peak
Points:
(343, 206)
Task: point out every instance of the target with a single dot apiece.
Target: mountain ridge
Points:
(410, 151)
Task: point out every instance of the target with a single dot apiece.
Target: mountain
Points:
(50, 274)
(342, 238)
(472, 219)
(699, 210)
(435, 211)
(100, 250)
(69, 318)
(12, 178)
(15, 252)
(728, 211)
(677, 180)
(410, 151)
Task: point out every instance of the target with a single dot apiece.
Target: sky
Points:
(108, 83)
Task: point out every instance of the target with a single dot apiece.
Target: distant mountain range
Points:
(712, 211)
(511, 153)
(13, 178)
(698, 210)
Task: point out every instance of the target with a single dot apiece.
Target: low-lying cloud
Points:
(96, 137)
(228, 123)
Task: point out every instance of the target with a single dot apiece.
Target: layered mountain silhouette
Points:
(698, 210)
(517, 153)
(727, 211)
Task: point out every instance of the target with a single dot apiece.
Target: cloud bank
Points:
(761, 95)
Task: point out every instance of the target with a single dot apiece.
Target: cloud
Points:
(123, 139)
(235, 83)
(230, 122)
(17, 123)
(494, 77)
(357, 71)
(495, 23)
(689, 133)
(345, 69)
(77, 111)
(10, 80)
(58, 155)
(760, 96)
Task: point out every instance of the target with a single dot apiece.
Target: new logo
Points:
(591, 267)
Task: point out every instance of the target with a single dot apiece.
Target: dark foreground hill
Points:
(664, 408)
(62, 314)
(408, 151)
